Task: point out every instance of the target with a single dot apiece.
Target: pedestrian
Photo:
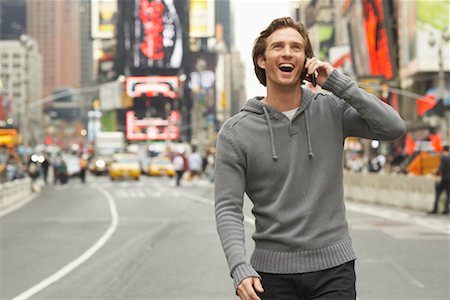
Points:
(45, 164)
(33, 172)
(444, 183)
(180, 166)
(285, 151)
(195, 162)
(83, 167)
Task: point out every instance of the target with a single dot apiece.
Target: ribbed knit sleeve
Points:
(229, 197)
(363, 114)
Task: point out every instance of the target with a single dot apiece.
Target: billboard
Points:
(372, 44)
(103, 18)
(201, 18)
(152, 128)
(151, 36)
(136, 86)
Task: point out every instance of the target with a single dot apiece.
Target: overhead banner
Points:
(110, 95)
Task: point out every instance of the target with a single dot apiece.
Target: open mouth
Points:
(286, 67)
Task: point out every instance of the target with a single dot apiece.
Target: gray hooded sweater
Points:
(292, 171)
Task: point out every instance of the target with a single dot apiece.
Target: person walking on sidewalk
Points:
(284, 150)
(444, 183)
(180, 163)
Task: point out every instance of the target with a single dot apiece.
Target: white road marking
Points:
(403, 272)
(443, 227)
(17, 205)
(82, 258)
(249, 219)
(360, 208)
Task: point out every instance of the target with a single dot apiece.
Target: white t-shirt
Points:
(178, 161)
(195, 161)
(290, 113)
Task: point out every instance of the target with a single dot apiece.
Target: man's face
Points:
(284, 57)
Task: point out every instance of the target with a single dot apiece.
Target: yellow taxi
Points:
(124, 165)
(161, 166)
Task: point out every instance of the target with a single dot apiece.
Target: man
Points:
(285, 152)
(444, 183)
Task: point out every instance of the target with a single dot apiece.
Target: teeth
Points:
(287, 66)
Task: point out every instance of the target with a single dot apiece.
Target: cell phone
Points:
(311, 76)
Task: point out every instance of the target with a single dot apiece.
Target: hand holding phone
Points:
(312, 77)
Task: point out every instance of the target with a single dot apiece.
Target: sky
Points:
(251, 17)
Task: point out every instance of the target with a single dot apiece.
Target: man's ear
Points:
(261, 62)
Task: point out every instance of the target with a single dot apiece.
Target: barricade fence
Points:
(398, 190)
(13, 192)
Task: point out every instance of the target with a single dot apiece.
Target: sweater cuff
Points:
(241, 272)
(336, 83)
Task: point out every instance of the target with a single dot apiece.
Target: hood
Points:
(255, 106)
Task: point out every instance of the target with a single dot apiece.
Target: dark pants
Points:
(337, 283)
(443, 185)
(179, 176)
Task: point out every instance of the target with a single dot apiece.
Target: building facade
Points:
(20, 75)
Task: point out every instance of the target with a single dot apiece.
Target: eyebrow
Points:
(276, 43)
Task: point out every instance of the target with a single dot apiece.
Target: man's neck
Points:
(283, 100)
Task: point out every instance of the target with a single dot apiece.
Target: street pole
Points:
(441, 84)
(444, 38)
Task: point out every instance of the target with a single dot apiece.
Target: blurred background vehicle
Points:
(73, 165)
(160, 166)
(124, 165)
(98, 165)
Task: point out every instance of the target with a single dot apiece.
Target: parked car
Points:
(124, 165)
(160, 166)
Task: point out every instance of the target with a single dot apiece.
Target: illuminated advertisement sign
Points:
(201, 19)
(153, 36)
(371, 44)
(103, 18)
(150, 86)
(152, 128)
(8, 137)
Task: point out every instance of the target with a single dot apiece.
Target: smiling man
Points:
(284, 150)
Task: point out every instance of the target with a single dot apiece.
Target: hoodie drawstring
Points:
(272, 140)
(310, 151)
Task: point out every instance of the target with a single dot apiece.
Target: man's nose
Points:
(287, 51)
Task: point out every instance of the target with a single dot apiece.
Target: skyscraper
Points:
(55, 25)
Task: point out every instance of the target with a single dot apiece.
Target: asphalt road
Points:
(148, 239)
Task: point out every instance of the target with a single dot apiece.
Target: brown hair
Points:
(259, 47)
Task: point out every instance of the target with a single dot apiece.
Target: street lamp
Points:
(445, 37)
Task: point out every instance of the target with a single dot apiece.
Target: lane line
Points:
(403, 272)
(359, 208)
(249, 219)
(15, 206)
(82, 258)
(399, 216)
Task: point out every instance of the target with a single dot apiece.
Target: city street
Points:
(148, 239)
